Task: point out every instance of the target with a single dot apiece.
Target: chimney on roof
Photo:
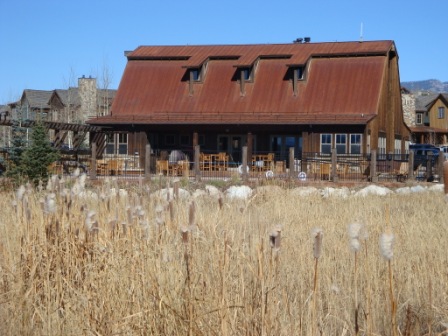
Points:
(307, 39)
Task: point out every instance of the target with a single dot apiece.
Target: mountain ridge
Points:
(433, 85)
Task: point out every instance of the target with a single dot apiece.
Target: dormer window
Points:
(195, 75)
(298, 74)
(246, 74)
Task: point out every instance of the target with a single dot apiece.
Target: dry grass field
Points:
(275, 264)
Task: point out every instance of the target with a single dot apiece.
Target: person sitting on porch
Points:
(176, 156)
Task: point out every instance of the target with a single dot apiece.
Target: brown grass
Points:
(219, 276)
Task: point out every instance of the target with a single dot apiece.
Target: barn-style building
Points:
(313, 97)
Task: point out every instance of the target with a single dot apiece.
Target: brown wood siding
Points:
(434, 120)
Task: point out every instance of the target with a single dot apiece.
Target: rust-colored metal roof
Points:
(342, 85)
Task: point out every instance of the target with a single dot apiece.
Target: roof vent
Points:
(298, 40)
(307, 39)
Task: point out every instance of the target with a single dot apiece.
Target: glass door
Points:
(232, 145)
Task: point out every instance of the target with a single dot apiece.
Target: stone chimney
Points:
(88, 97)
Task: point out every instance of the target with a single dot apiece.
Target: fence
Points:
(208, 165)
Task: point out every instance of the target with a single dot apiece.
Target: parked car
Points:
(444, 149)
(421, 154)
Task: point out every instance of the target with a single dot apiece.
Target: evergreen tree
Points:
(38, 156)
(18, 145)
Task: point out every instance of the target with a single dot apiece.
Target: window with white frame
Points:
(419, 118)
(397, 146)
(341, 143)
(355, 143)
(441, 114)
(406, 146)
(381, 145)
(325, 143)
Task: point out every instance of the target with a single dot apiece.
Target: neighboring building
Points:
(425, 114)
(74, 105)
(309, 96)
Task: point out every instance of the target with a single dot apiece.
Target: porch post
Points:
(334, 161)
(148, 161)
(115, 137)
(411, 176)
(195, 139)
(250, 144)
(373, 177)
(429, 166)
(93, 162)
(440, 161)
(244, 166)
(197, 171)
(292, 166)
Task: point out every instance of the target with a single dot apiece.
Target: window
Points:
(117, 143)
(341, 143)
(122, 143)
(185, 140)
(196, 74)
(355, 143)
(325, 143)
(381, 145)
(397, 146)
(201, 140)
(169, 140)
(419, 118)
(246, 74)
(299, 72)
(441, 112)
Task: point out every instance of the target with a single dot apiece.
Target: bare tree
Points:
(67, 113)
(104, 83)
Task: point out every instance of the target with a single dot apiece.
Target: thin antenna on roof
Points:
(361, 33)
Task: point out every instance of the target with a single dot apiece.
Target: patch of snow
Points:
(213, 191)
(162, 193)
(418, 188)
(403, 190)
(343, 192)
(305, 191)
(238, 192)
(439, 187)
(373, 190)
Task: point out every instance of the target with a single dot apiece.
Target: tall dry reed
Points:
(131, 276)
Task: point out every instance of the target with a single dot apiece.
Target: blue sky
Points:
(48, 44)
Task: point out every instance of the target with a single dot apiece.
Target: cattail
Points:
(184, 231)
(49, 185)
(42, 204)
(76, 172)
(275, 238)
(386, 245)
(317, 235)
(50, 204)
(159, 215)
(89, 222)
(112, 224)
(21, 192)
(192, 215)
(354, 233)
(176, 188)
(220, 202)
(95, 227)
(129, 215)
